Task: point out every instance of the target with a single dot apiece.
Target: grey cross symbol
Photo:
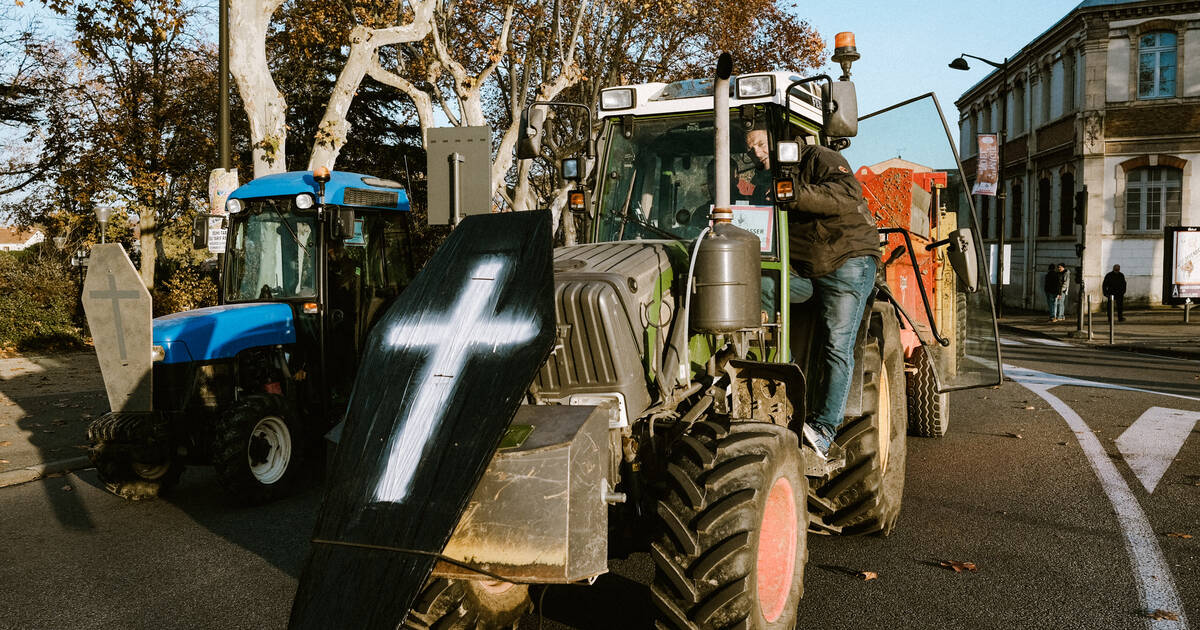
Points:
(116, 296)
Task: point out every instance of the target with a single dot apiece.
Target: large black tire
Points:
(733, 543)
(446, 604)
(257, 449)
(114, 438)
(928, 411)
(865, 495)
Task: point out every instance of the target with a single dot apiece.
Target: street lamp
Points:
(960, 63)
(59, 242)
(102, 213)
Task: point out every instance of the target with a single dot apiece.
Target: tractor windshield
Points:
(271, 253)
(658, 183)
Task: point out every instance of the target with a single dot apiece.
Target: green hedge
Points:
(39, 300)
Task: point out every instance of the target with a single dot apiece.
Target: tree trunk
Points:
(264, 105)
(148, 241)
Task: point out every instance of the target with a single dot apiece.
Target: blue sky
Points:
(906, 45)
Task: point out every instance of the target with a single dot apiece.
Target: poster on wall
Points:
(1181, 264)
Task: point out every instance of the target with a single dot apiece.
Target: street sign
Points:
(1181, 264)
(216, 235)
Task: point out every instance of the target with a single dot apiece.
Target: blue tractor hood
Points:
(343, 189)
(221, 332)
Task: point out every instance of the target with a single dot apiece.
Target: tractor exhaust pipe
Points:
(721, 211)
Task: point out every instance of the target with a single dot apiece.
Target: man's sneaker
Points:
(817, 440)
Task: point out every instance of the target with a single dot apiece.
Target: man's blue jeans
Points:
(842, 296)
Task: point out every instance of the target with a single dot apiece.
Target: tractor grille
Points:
(367, 197)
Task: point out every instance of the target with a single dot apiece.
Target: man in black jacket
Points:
(834, 245)
(1114, 289)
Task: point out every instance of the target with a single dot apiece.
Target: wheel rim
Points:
(150, 472)
(776, 549)
(270, 449)
(883, 417)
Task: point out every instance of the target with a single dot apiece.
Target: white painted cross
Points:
(451, 341)
(1151, 443)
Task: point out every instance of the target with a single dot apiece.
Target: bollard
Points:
(1110, 320)
(1089, 317)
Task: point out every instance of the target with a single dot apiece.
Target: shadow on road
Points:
(46, 404)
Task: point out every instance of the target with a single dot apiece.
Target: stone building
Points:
(1106, 101)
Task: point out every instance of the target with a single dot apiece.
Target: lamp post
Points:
(960, 63)
(102, 213)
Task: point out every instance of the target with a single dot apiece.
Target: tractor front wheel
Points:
(733, 543)
(448, 604)
(257, 449)
(124, 461)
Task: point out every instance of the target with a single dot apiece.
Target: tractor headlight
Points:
(616, 98)
(233, 206)
(158, 353)
(755, 86)
(788, 152)
(304, 201)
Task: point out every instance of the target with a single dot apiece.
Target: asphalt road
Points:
(1044, 500)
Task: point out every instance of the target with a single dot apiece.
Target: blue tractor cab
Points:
(311, 260)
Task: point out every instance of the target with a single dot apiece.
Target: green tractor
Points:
(680, 372)
(250, 386)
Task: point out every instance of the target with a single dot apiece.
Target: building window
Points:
(1044, 207)
(1156, 65)
(1018, 111)
(1069, 82)
(1153, 198)
(985, 218)
(1066, 205)
(1046, 95)
(1017, 211)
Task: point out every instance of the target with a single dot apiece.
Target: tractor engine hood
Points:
(221, 332)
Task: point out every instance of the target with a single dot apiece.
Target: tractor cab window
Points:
(271, 253)
(658, 184)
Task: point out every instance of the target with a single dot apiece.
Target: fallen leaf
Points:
(959, 567)
(3, 461)
(1163, 614)
(67, 488)
(1062, 443)
(54, 475)
(867, 576)
(5, 443)
(1014, 435)
(1030, 407)
(1179, 535)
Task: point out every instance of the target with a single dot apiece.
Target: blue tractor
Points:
(250, 386)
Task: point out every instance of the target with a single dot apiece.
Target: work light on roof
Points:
(304, 201)
(233, 206)
(755, 86)
(616, 98)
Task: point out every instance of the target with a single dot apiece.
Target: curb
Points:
(1136, 348)
(32, 473)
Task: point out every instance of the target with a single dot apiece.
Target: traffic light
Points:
(1081, 207)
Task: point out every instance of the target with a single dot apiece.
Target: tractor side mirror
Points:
(963, 258)
(533, 122)
(842, 105)
(200, 231)
(343, 223)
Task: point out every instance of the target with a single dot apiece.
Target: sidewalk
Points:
(46, 403)
(1152, 331)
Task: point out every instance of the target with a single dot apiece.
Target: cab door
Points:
(915, 185)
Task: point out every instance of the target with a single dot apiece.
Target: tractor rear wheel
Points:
(864, 496)
(733, 542)
(116, 439)
(257, 449)
(928, 411)
(447, 604)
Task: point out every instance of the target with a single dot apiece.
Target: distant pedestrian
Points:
(1064, 285)
(1114, 289)
(1050, 285)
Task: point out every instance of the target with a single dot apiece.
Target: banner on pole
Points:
(987, 172)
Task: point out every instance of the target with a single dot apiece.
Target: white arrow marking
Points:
(1151, 443)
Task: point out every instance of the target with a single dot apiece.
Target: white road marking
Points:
(1049, 342)
(1151, 443)
(1026, 375)
(1152, 576)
